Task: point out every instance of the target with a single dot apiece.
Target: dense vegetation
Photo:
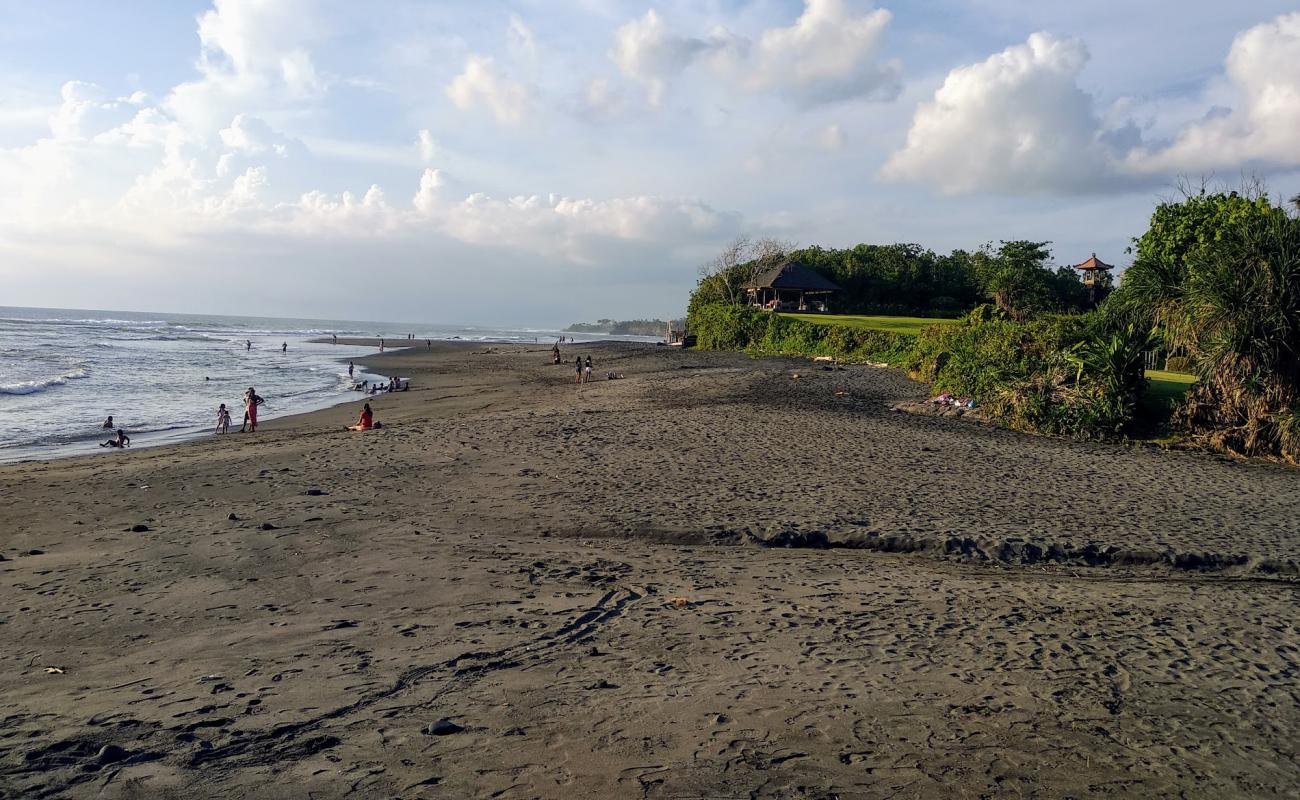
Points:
(1218, 275)
(1215, 285)
(908, 279)
(632, 327)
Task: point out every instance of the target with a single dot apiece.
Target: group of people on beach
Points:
(120, 440)
(251, 401)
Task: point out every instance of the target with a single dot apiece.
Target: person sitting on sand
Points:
(223, 419)
(122, 440)
(108, 423)
(366, 421)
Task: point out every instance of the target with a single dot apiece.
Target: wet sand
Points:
(708, 579)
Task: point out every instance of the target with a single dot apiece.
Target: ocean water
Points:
(161, 376)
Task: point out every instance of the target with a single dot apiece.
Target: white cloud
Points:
(252, 53)
(251, 135)
(427, 146)
(1019, 122)
(647, 51)
(827, 54)
(86, 110)
(1263, 68)
(481, 83)
(426, 198)
(1016, 122)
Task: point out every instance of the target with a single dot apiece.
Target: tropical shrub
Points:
(1219, 276)
(726, 327)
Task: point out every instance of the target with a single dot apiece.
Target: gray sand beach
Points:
(707, 579)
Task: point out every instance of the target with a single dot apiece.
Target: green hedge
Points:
(724, 327)
(1057, 374)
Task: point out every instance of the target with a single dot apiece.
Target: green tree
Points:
(1218, 275)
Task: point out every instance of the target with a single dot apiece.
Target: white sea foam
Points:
(41, 384)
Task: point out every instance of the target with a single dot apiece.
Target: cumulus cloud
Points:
(1263, 68)
(483, 84)
(87, 109)
(251, 135)
(828, 54)
(648, 51)
(1016, 122)
(251, 53)
(1019, 122)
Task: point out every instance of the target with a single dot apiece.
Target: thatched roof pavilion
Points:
(790, 286)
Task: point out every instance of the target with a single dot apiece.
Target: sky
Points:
(540, 162)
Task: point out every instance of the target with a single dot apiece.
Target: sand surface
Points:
(708, 579)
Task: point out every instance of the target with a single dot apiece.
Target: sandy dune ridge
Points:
(708, 579)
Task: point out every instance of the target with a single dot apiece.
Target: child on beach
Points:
(108, 423)
(223, 419)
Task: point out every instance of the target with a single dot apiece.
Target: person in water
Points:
(108, 423)
(351, 367)
(251, 402)
(223, 419)
(366, 421)
(248, 345)
(122, 440)
(284, 347)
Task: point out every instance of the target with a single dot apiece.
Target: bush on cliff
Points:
(1058, 374)
(729, 327)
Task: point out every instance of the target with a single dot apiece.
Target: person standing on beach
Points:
(223, 419)
(578, 365)
(381, 344)
(251, 402)
(335, 337)
(586, 373)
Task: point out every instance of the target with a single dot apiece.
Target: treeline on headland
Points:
(1214, 289)
(909, 279)
(631, 327)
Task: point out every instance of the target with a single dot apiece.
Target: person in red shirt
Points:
(366, 421)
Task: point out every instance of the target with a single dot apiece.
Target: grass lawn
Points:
(908, 325)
